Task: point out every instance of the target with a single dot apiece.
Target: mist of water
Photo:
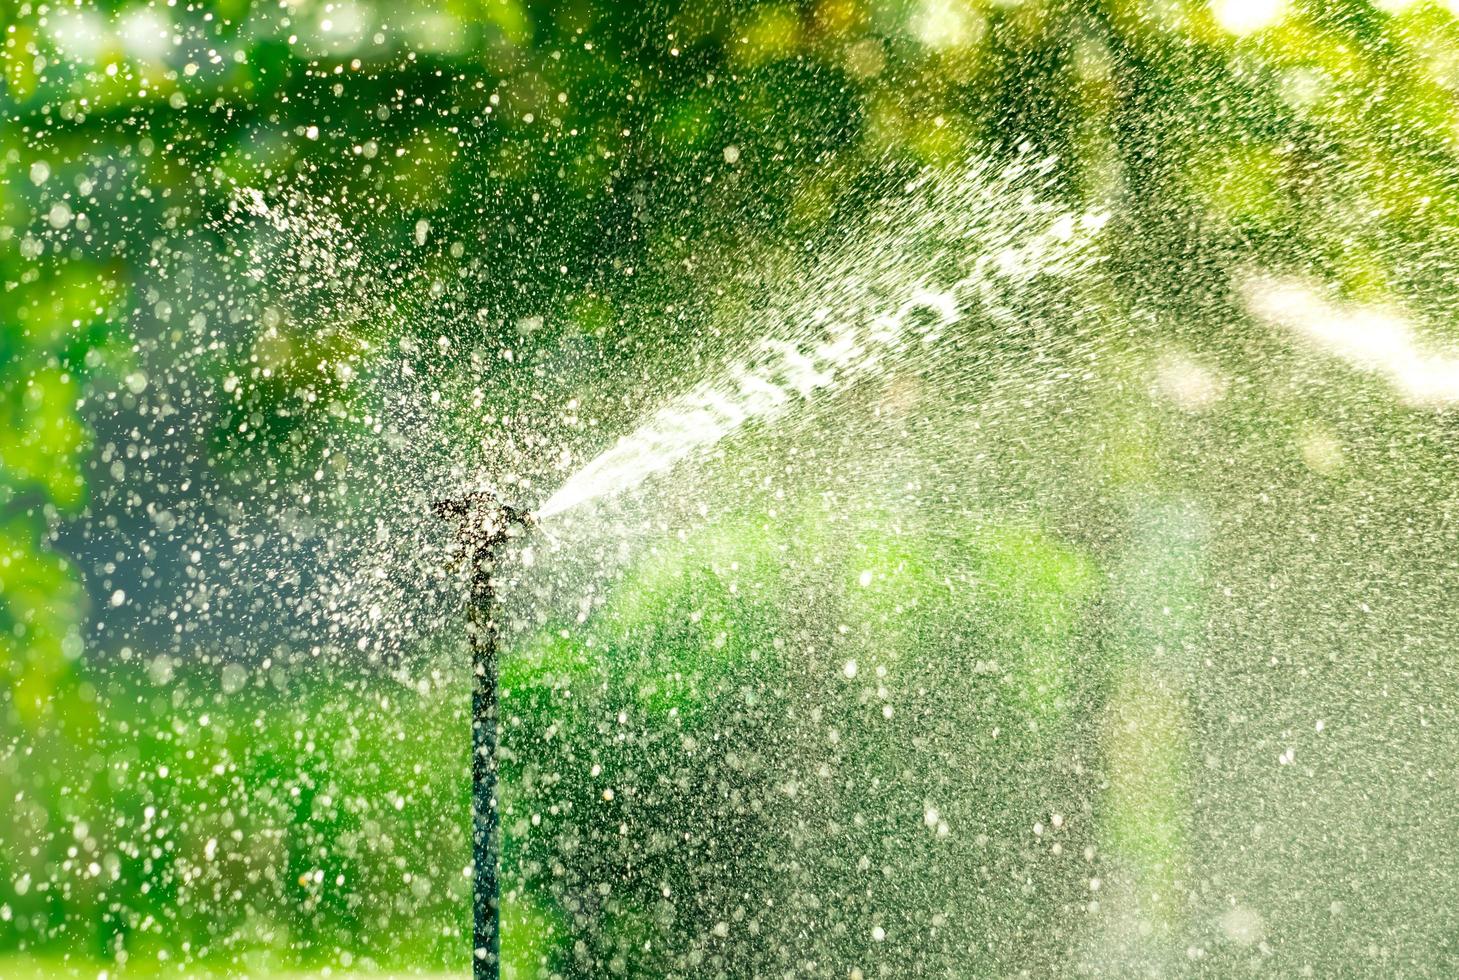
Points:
(346, 540)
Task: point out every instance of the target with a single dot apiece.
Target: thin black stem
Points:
(485, 848)
(484, 525)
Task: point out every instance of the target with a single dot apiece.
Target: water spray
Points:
(484, 525)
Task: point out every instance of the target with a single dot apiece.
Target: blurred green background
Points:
(1262, 557)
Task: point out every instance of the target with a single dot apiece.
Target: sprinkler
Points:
(484, 524)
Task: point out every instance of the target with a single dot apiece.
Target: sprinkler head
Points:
(484, 521)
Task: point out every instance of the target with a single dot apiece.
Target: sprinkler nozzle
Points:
(484, 521)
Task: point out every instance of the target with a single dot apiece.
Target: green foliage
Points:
(672, 705)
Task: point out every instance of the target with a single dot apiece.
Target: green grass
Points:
(22, 967)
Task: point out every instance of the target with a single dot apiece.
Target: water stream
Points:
(843, 322)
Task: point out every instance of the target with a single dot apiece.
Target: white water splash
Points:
(1006, 237)
(355, 554)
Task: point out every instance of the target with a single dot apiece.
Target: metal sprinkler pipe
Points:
(484, 524)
